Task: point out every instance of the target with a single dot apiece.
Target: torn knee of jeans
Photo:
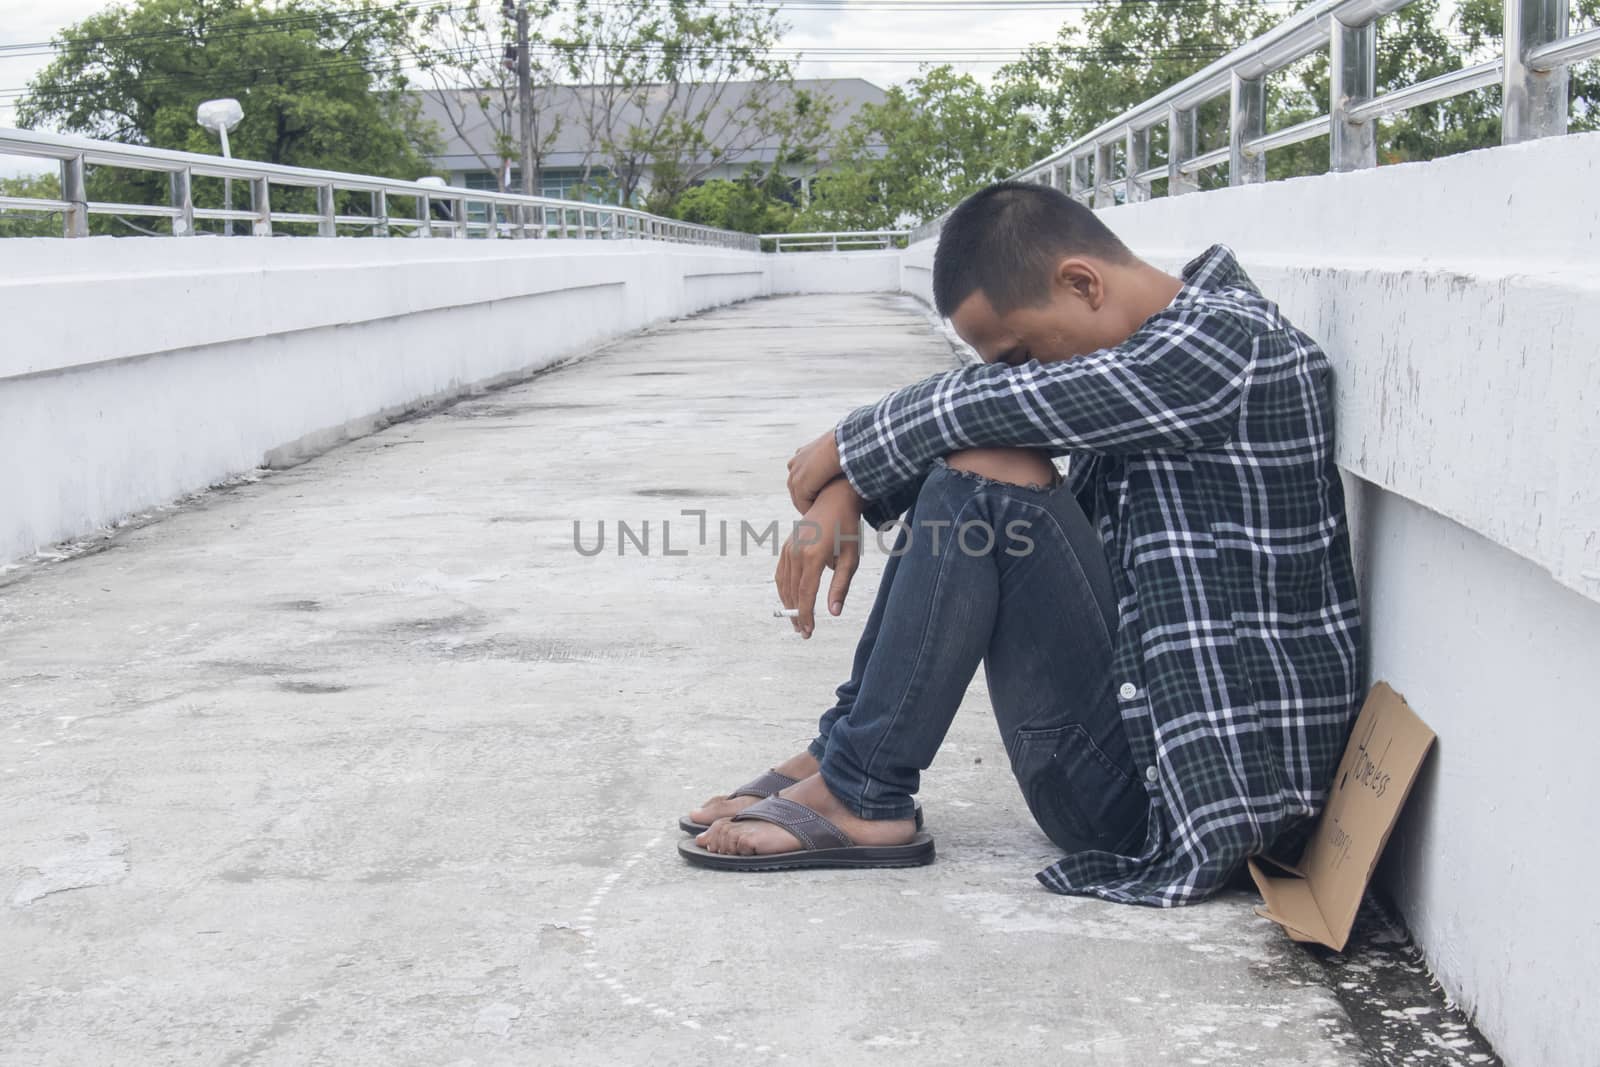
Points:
(996, 483)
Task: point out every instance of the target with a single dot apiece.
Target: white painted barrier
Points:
(133, 371)
(1459, 301)
(836, 272)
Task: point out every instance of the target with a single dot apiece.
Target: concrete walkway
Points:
(364, 763)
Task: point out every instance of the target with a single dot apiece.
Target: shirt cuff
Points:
(877, 508)
(882, 506)
(852, 439)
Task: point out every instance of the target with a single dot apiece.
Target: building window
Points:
(564, 183)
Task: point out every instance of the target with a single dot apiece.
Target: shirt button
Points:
(1128, 691)
(1149, 774)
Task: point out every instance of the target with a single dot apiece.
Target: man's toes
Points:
(716, 838)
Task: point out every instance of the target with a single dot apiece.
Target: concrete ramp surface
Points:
(365, 762)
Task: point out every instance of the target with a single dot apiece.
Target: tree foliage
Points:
(30, 223)
(461, 48)
(1122, 54)
(319, 80)
(931, 142)
(747, 205)
(673, 91)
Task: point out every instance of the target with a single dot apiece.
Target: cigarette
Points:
(785, 613)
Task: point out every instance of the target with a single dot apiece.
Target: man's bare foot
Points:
(721, 807)
(754, 838)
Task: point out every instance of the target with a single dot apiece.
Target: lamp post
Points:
(220, 116)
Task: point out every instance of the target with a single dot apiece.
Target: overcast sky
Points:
(863, 24)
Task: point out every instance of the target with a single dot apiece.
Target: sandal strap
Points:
(765, 785)
(810, 829)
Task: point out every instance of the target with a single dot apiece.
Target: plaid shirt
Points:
(1203, 448)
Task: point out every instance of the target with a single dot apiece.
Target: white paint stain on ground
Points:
(96, 858)
(618, 989)
(496, 1019)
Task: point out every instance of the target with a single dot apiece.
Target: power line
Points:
(859, 54)
(873, 54)
(35, 49)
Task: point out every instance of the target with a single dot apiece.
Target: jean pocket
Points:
(1080, 798)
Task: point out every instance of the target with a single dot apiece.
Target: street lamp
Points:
(437, 207)
(220, 116)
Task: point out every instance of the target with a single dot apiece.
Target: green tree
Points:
(1412, 46)
(461, 46)
(746, 205)
(1122, 54)
(675, 91)
(931, 142)
(30, 223)
(320, 82)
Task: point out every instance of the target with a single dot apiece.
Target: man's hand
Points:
(814, 465)
(828, 536)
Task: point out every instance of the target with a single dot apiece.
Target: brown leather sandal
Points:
(762, 786)
(822, 844)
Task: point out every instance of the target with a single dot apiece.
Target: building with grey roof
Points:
(567, 117)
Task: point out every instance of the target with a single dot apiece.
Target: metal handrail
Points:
(435, 208)
(837, 240)
(1431, 91)
(1111, 163)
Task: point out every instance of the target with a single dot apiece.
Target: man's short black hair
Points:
(1006, 241)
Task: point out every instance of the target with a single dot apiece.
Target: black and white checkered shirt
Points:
(1204, 446)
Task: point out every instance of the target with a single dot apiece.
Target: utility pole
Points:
(525, 100)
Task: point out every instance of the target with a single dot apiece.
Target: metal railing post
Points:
(380, 214)
(181, 183)
(1352, 80)
(1182, 135)
(326, 226)
(1247, 120)
(1533, 102)
(261, 204)
(75, 220)
(1104, 194)
(424, 216)
(458, 217)
(1137, 161)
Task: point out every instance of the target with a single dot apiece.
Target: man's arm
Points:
(1176, 385)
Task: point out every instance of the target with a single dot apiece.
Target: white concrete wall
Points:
(133, 371)
(1459, 301)
(835, 272)
(916, 271)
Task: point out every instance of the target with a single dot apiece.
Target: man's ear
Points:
(1081, 278)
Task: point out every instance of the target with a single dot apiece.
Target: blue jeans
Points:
(1015, 577)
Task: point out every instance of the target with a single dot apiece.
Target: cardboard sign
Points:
(1318, 900)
